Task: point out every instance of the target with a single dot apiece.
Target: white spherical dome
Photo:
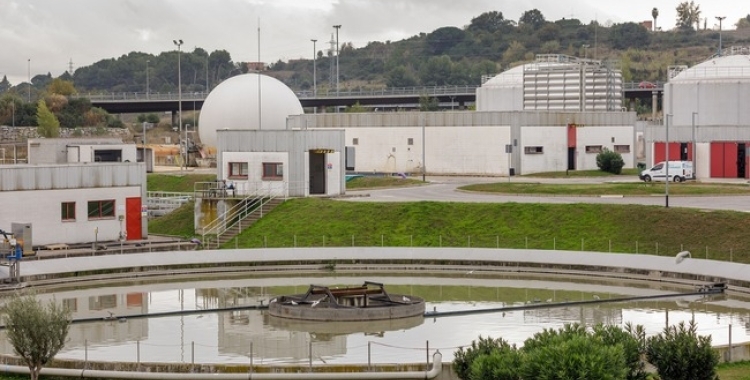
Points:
(233, 104)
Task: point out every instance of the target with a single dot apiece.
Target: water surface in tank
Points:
(249, 335)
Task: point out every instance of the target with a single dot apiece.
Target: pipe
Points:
(437, 367)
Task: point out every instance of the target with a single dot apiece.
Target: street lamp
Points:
(315, 75)
(695, 159)
(178, 43)
(666, 162)
(147, 87)
(337, 27)
(720, 18)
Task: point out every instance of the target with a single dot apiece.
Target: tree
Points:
(654, 15)
(428, 103)
(609, 161)
(633, 341)
(489, 22)
(679, 353)
(36, 332)
(61, 87)
(743, 23)
(442, 39)
(688, 14)
(48, 125)
(575, 357)
(629, 35)
(504, 363)
(533, 18)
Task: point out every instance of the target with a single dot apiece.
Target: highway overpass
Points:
(449, 97)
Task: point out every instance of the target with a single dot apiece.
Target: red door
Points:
(717, 160)
(133, 219)
(730, 160)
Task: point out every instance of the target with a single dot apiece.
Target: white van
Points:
(678, 171)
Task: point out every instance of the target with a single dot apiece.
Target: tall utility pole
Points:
(720, 18)
(315, 74)
(178, 43)
(28, 68)
(337, 27)
(147, 88)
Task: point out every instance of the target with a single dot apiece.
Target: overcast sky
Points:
(46, 35)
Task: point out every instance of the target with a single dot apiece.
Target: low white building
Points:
(477, 143)
(76, 191)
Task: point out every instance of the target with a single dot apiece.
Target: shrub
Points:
(680, 353)
(609, 161)
(463, 359)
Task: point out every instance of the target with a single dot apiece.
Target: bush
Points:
(680, 353)
(463, 359)
(609, 161)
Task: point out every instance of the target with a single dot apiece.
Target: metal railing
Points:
(308, 94)
(253, 198)
(160, 203)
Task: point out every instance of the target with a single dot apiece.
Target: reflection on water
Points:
(248, 335)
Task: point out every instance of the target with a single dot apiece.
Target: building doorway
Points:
(317, 172)
(741, 160)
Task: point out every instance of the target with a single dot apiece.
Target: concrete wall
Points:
(470, 143)
(34, 194)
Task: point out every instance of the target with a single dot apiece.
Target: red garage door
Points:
(724, 159)
(660, 152)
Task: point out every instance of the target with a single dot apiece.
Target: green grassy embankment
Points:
(618, 228)
(176, 182)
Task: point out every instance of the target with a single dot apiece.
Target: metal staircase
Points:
(236, 219)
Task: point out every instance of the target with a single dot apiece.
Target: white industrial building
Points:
(516, 129)
(75, 191)
(706, 117)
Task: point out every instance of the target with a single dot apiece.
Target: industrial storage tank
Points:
(554, 82)
(717, 90)
(248, 101)
(706, 108)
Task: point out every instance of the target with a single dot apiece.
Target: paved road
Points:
(444, 189)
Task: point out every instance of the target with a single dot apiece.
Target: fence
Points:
(726, 252)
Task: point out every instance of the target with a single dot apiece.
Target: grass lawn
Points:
(734, 371)
(626, 189)
(372, 182)
(179, 183)
(583, 173)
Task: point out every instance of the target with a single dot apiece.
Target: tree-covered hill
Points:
(490, 43)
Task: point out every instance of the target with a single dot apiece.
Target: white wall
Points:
(254, 183)
(604, 137)
(478, 150)
(42, 208)
(554, 141)
(333, 173)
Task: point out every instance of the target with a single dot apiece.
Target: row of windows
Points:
(273, 171)
(95, 210)
(589, 149)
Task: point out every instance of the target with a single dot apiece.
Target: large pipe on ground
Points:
(437, 367)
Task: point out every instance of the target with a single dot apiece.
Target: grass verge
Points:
(179, 183)
(626, 189)
(372, 182)
(583, 173)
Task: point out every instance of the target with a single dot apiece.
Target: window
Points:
(101, 209)
(593, 148)
(273, 171)
(622, 148)
(410, 141)
(238, 170)
(355, 141)
(533, 149)
(68, 211)
(71, 304)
